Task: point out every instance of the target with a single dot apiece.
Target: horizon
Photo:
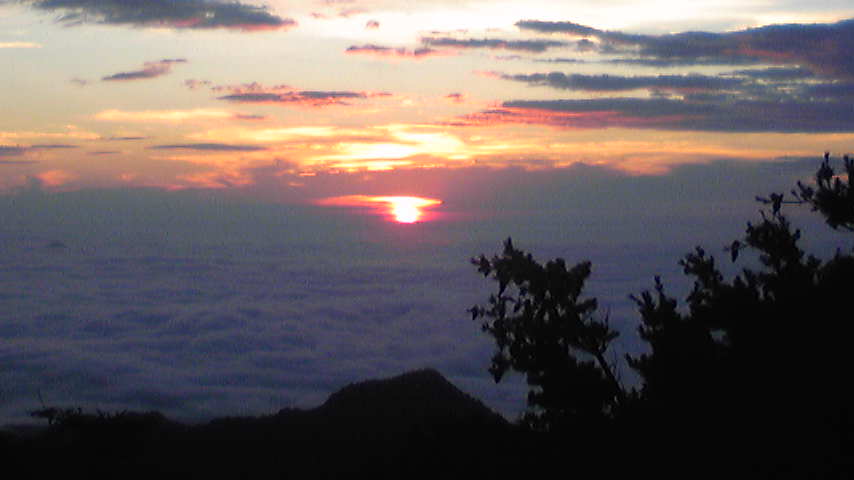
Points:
(224, 208)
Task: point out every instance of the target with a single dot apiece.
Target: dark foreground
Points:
(417, 425)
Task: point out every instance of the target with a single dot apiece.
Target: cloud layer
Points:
(825, 48)
(800, 80)
(200, 306)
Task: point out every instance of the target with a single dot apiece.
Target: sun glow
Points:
(401, 209)
(407, 209)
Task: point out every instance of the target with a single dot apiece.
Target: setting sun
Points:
(401, 209)
(407, 209)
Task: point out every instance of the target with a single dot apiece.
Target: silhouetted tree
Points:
(832, 195)
(544, 329)
(764, 353)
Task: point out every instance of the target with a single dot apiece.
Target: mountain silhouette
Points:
(421, 403)
(414, 425)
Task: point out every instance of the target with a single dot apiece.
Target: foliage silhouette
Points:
(833, 195)
(764, 353)
(545, 329)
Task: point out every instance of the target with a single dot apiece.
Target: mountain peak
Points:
(418, 400)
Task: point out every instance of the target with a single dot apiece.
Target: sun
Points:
(405, 212)
(400, 209)
(407, 209)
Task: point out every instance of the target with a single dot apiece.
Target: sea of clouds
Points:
(200, 306)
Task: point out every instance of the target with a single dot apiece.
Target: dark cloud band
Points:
(825, 48)
(606, 83)
(670, 114)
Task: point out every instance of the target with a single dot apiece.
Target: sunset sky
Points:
(206, 94)
(206, 131)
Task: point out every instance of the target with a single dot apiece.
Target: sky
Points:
(217, 207)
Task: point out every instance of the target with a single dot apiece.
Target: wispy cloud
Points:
(20, 45)
(16, 162)
(532, 46)
(18, 150)
(195, 84)
(304, 136)
(11, 151)
(284, 95)
(613, 83)
(178, 14)
(250, 117)
(216, 147)
(53, 146)
(341, 9)
(456, 97)
(125, 138)
(776, 73)
(71, 132)
(149, 70)
(392, 52)
(162, 115)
